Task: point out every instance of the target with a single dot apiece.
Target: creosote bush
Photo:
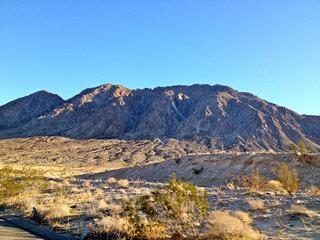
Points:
(176, 209)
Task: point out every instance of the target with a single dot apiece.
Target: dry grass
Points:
(276, 186)
(123, 183)
(255, 204)
(313, 190)
(111, 181)
(110, 227)
(300, 210)
(223, 225)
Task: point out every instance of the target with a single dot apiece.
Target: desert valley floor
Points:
(87, 181)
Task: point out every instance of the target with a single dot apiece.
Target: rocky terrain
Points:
(217, 117)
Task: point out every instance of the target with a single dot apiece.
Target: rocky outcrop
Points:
(217, 116)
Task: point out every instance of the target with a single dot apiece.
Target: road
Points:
(9, 231)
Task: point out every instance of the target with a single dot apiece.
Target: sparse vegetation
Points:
(313, 190)
(123, 183)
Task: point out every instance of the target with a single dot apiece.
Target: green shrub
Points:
(176, 210)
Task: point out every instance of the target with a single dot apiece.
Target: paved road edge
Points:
(29, 226)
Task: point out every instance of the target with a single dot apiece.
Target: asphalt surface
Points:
(9, 231)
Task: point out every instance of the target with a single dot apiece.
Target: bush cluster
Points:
(177, 211)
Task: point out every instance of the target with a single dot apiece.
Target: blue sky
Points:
(269, 48)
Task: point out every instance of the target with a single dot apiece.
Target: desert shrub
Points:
(254, 181)
(225, 226)
(288, 177)
(109, 228)
(174, 210)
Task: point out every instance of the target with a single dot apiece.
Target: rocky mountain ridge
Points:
(217, 116)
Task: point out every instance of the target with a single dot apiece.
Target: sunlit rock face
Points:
(217, 116)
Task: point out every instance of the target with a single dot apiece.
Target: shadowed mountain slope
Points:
(217, 116)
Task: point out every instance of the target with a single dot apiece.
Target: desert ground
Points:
(109, 189)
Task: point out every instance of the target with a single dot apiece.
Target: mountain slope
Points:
(217, 116)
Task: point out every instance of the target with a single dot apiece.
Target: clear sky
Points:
(270, 48)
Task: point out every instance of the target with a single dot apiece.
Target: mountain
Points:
(24, 110)
(217, 116)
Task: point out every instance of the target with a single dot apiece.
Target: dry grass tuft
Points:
(300, 210)
(313, 190)
(255, 204)
(111, 181)
(243, 216)
(102, 205)
(222, 225)
(110, 228)
(123, 183)
(276, 186)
